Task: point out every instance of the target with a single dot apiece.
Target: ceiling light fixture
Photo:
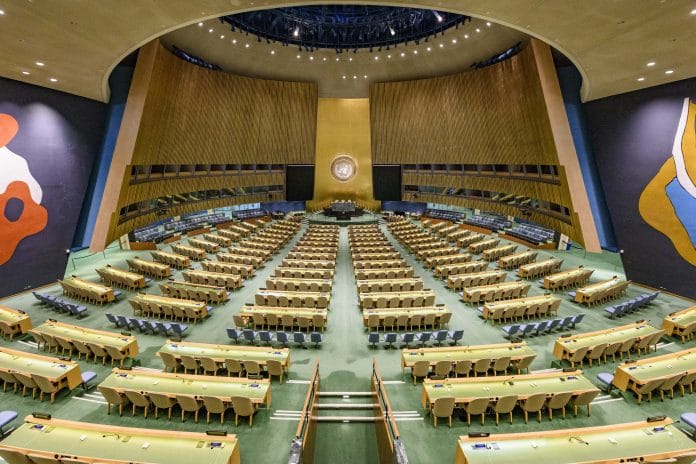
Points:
(354, 76)
(26, 73)
(2, 12)
(438, 16)
(350, 59)
(296, 32)
(466, 36)
(442, 45)
(200, 24)
(210, 30)
(299, 56)
(415, 52)
(488, 23)
(641, 79)
(338, 59)
(222, 36)
(311, 58)
(650, 64)
(324, 58)
(428, 48)
(389, 56)
(454, 41)
(669, 71)
(376, 58)
(365, 76)
(402, 54)
(478, 30)
(392, 31)
(344, 77)
(272, 52)
(53, 79)
(39, 63)
(693, 12)
(246, 45)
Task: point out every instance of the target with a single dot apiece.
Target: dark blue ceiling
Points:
(344, 27)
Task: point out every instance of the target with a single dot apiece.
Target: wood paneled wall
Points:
(193, 115)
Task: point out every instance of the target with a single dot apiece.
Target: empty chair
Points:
(373, 339)
(252, 368)
(160, 401)
(407, 338)
(523, 364)
(234, 334)
(476, 407)
(266, 336)
(188, 404)
(442, 369)
(420, 369)
(209, 365)
(243, 407)
(250, 335)
(443, 407)
(611, 350)
(275, 368)
(687, 381)
(481, 366)
(8, 379)
(455, 335)
(579, 356)
(595, 354)
(558, 401)
(189, 363)
(316, 338)
(533, 403)
(501, 365)
(463, 367)
(423, 337)
(511, 330)
(583, 399)
(646, 389)
(45, 386)
(504, 405)
(299, 338)
(27, 383)
(233, 367)
(138, 400)
(626, 347)
(115, 355)
(390, 339)
(282, 337)
(669, 385)
(214, 405)
(113, 397)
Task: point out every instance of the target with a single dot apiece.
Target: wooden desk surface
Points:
(679, 320)
(502, 285)
(15, 318)
(527, 300)
(171, 384)
(524, 254)
(220, 353)
(123, 343)
(396, 312)
(526, 268)
(196, 305)
(152, 264)
(585, 293)
(169, 254)
(454, 354)
(298, 280)
(191, 286)
(56, 370)
(524, 385)
(190, 249)
(290, 294)
(130, 276)
(414, 294)
(103, 291)
(564, 347)
(474, 275)
(402, 280)
(249, 311)
(645, 369)
(553, 278)
(310, 263)
(636, 441)
(302, 270)
(109, 443)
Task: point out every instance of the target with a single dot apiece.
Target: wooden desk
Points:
(75, 286)
(589, 293)
(438, 311)
(475, 279)
(247, 312)
(110, 444)
(309, 264)
(490, 307)
(172, 259)
(255, 261)
(16, 319)
(214, 279)
(64, 373)
(123, 343)
(303, 273)
(454, 354)
(493, 254)
(580, 274)
(416, 283)
(469, 294)
(260, 354)
(232, 235)
(172, 384)
(539, 268)
(517, 259)
(435, 261)
(384, 273)
(243, 270)
(219, 239)
(149, 267)
(465, 389)
(380, 263)
(113, 275)
(483, 245)
(564, 348)
(197, 306)
(445, 270)
(191, 252)
(656, 367)
(185, 289)
(425, 294)
(676, 323)
(290, 295)
(313, 285)
(634, 442)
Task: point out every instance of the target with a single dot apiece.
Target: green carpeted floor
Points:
(345, 365)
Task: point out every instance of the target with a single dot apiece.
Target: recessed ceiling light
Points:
(389, 56)
(234, 41)
(210, 30)
(344, 77)
(246, 45)
(200, 24)
(442, 45)
(354, 76)
(488, 23)
(53, 79)
(311, 58)
(26, 73)
(376, 58)
(641, 79)
(478, 30)
(652, 63)
(350, 59)
(2, 12)
(324, 58)
(428, 48)
(272, 52)
(669, 71)
(403, 54)
(298, 57)
(222, 36)
(39, 63)
(338, 59)
(415, 52)
(466, 36)
(365, 76)
(454, 41)
(693, 12)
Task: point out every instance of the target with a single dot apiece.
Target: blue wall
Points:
(570, 81)
(119, 81)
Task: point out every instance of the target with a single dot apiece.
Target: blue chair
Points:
(390, 339)
(373, 338)
(440, 336)
(540, 327)
(234, 334)
(179, 329)
(87, 378)
(577, 319)
(526, 329)
(455, 335)
(511, 330)
(39, 297)
(5, 418)
(553, 324)
(572, 295)
(250, 335)
(149, 326)
(652, 297)
(423, 337)
(122, 321)
(135, 323)
(282, 337)
(117, 293)
(689, 418)
(78, 311)
(566, 322)
(606, 379)
(111, 318)
(163, 327)
(407, 338)
(266, 336)
(614, 311)
(299, 337)
(316, 338)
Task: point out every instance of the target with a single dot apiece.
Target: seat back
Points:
(443, 406)
(188, 403)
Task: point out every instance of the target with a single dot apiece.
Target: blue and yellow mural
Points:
(668, 202)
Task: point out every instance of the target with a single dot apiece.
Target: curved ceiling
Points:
(611, 42)
(347, 74)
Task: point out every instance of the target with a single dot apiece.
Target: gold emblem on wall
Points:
(343, 167)
(668, 202)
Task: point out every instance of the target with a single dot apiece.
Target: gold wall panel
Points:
(343, 127)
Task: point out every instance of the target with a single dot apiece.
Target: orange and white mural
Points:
(17, 183)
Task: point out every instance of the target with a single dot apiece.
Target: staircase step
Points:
(346, 418)
(326, 393)
(347, 405)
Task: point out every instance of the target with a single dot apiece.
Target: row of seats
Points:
(532, 233)
(483, 245)
(209, 366)
(303, 300)
(241, 406)
(286, 321)
(617, 290)
(446, 215)
(408, 338)
(493, 293)
(541, 268)
(484, 366)
(28, 381)
(446, 270)
(171, 259)
(118, 280)
(521, 311)
(397, 301)
(680, 380)
(298, 286)
(209, 247)
(461, 281)
(296, 273)
(376, 274)
(631, 306)
(542, 327)
(458, 258)
(60, 305)
(407, 286)
(493, 254)
(602, 351)
(146, 325)
(265, 336)
(464, 242)
(247, 260)
(382, 264)
(90, 350)
(171, 312)
(433, 319)
(209, 295)
(493, 223)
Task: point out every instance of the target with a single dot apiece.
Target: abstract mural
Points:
(668, 202)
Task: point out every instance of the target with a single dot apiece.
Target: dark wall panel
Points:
(386, 182)
(56, 136)
(299, 182)
(632, 136)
